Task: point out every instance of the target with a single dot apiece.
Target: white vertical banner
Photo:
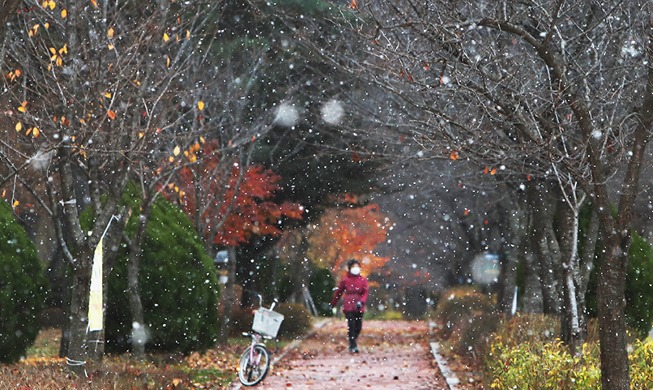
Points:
(95, 297)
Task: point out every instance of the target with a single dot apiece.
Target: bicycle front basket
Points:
(267, 322)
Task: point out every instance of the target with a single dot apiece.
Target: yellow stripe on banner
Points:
(95, 297)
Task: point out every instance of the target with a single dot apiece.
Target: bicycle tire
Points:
(250, 372)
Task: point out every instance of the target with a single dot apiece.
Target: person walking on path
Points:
(353, 289)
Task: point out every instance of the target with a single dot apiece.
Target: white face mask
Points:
(355, 270)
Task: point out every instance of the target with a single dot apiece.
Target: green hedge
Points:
(178, 284)
(22, 288)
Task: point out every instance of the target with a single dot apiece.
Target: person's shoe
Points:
(353, 349)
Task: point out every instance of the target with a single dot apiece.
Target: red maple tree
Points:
(228, 202)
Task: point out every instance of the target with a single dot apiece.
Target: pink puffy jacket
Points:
(353, 289)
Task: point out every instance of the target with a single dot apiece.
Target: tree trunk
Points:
(590, 238)
(572, 334)
(139, 329)
(78, 346)
(532, 295)
(611, 304)
(513, 248)
(545, 246)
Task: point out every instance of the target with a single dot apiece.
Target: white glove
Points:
(334, 311)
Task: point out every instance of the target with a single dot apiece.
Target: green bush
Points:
(639, 286)
(178, 284)
(22, 288)
(296, 322)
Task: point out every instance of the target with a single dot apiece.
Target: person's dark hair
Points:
(351, 263)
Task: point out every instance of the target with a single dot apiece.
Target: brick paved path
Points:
(394, 355)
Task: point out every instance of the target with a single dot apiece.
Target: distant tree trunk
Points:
(545, 244)
(229, 295)
(532, 295)
(590, 238)
(517, 219)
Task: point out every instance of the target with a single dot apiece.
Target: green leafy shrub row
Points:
(548, 365)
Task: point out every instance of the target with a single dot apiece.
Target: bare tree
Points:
(552, 90)
(96, 88)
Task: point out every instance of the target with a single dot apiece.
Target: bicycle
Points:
(255, 361)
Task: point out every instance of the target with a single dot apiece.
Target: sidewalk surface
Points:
(393, 355)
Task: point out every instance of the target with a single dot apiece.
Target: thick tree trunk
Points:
(78, 345)
(612, 322)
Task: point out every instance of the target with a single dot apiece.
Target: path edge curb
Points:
(450, 377)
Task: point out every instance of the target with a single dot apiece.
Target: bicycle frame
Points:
(255, 361)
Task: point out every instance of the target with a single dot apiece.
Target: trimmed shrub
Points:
(22, 288)
(178, 284)
(296, 322)
(475, 335)
(458, 305)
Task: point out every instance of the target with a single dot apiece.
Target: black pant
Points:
(354, 326)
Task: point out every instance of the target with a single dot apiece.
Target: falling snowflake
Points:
(332, 112)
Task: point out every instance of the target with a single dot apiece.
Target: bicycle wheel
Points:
(254, 366)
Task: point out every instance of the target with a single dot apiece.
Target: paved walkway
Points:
(394, 355)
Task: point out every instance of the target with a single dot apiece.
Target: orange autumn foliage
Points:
(345, 233)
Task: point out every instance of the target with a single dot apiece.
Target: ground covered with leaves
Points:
(42, 369)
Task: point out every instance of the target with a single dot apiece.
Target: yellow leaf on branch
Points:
(176, 151)
(19, 126)
(166, 37)
(107, 95)
(23, 107)
(94, 2)
(110, 32)
(64, 13)
(200, 105)
(111, 114)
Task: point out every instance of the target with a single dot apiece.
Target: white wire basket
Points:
(267, 322)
